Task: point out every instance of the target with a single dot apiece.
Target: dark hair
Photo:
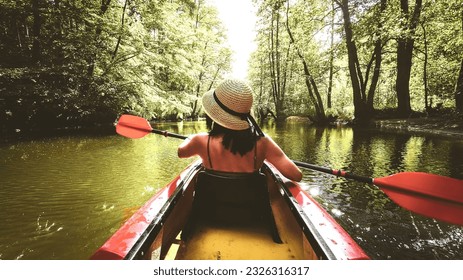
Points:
(237, 141)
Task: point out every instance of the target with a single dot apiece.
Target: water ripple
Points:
(63, 197)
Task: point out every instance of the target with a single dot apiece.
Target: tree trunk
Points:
(360, 112)
(36, 26)
(195, 105)
(330, 80)
(274, 61)
(363, 100)
(459, 90)
(405, 46)
(92, 59)
(376, 73)
(459, 84)
(59, 23)
(119, 38)
(312, 88)
(377, 54)
(404, 65)
(425, 70)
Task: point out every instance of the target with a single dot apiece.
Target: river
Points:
(62, 197)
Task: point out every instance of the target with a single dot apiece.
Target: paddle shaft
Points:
(340, 173)
(168, 134)
(158, 131)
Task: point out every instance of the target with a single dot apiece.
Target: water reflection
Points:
(63, 197)
(384, 230)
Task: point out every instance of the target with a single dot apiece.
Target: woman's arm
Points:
(193, 145)
(275, 155)
(188, 147)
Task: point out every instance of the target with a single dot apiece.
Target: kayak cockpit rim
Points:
(156, 227)
(316, 240)
(148, 236)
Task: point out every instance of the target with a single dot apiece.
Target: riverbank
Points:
(448, 127)
(11, 136)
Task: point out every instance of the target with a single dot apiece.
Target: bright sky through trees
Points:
(239, 18)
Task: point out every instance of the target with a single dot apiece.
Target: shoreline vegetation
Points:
(451, 127)
(70, 66)
(448, 125)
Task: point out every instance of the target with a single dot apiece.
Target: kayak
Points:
(196, 217)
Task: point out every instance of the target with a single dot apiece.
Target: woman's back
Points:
(220, 159)
(216, 157)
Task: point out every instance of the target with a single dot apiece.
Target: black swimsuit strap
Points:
(208, 153)
(255, 157)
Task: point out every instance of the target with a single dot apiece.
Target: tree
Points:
(459, 90)
(363, 97)
(405, 44)
(98, 31)
(278, 74)
(459, 83)
(211, 57)
(277, 49)
(331, 69)
(66, 63)
(36, 27)
(312, 87)
(259, 77)
(438, 45)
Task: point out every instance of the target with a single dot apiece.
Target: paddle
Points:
(427, 194)
(137, 127)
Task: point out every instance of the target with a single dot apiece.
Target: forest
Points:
(81, 63)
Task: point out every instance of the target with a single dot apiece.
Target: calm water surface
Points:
(62, 197)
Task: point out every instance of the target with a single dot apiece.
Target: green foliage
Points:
(310, 22)
(96, 59)
(73, 63)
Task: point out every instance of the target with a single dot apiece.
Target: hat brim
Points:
(221, 117)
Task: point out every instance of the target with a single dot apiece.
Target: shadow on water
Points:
(62, 197)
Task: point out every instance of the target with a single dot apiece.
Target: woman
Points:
(235, 143)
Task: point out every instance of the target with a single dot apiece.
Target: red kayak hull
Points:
(318, 224)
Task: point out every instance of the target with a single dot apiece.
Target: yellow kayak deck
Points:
(229, 243)
(242, 238)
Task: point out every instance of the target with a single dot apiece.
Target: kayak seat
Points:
(231, 199)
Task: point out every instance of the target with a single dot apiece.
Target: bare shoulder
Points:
(275, 155)
(202, 134)
(192, 145)
(268, 143)
(200, 137)
(264, 140)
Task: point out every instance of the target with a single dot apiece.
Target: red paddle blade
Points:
(430, 195)
(427, 206)
(133, 126)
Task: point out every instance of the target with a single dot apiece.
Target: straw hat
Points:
(229, 104)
